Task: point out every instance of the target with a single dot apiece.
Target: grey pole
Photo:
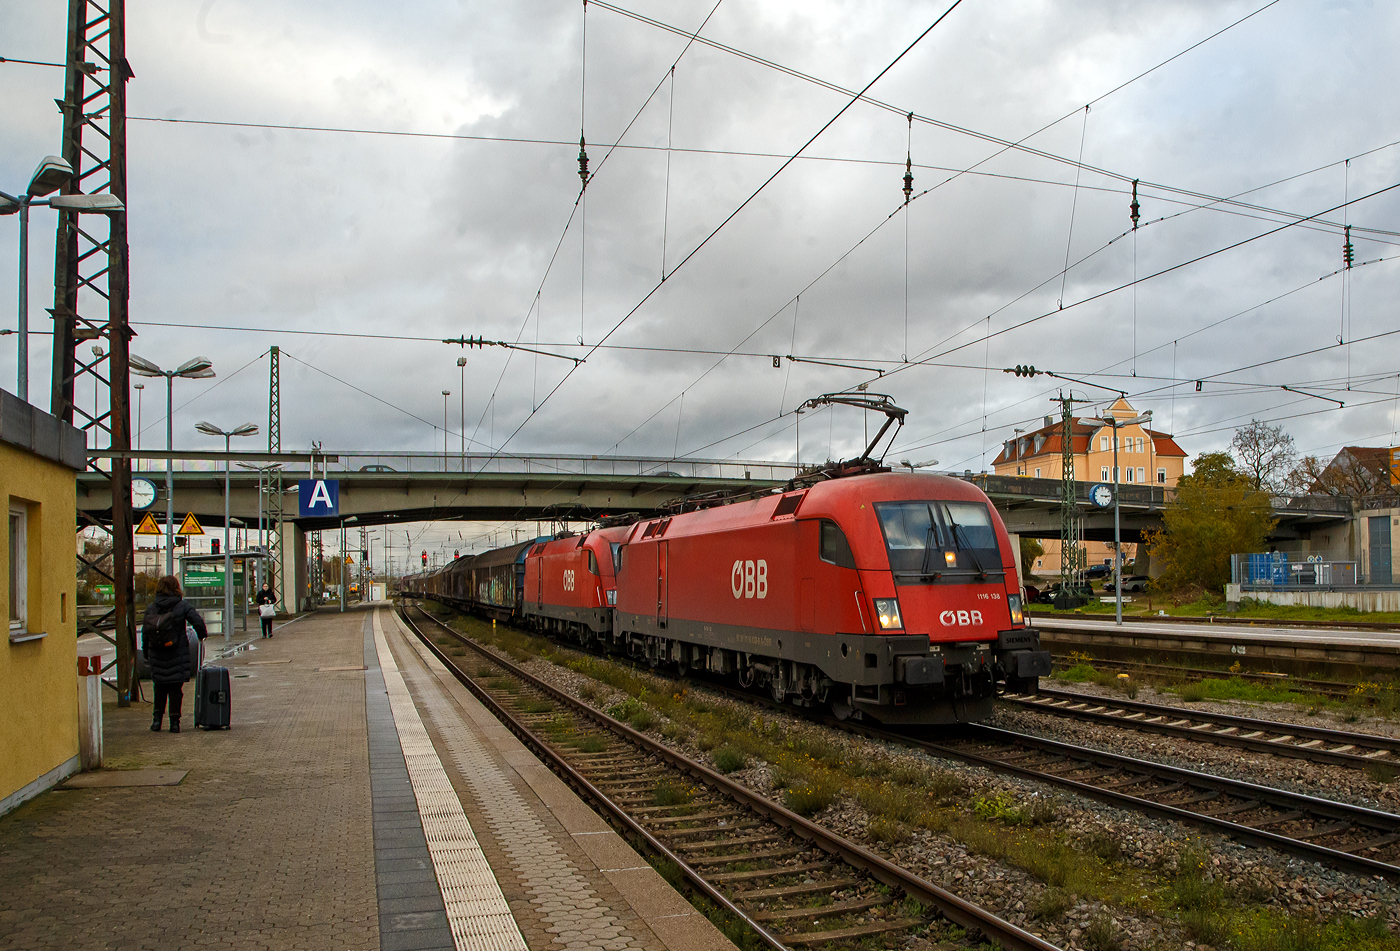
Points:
(462, 394)
(228, 560)
(23, 382)
(169, 473)
(1117, 536)
(341, 566)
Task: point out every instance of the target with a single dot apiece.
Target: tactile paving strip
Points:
(578, 917)
(477, 911)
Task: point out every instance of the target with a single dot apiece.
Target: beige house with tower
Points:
(1145, 456)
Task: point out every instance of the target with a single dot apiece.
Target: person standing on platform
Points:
(267, 608)
(167, 648)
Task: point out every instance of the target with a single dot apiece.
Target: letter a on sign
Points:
(318, 497)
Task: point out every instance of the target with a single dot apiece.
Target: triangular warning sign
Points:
(190, 526)
(349, 560)
(148, 526)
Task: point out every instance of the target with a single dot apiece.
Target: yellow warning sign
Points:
(148, 526)
(190, 526)
(349, 560)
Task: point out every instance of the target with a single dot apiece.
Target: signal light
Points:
(425, 558)
(214, 546)
(1026, 370)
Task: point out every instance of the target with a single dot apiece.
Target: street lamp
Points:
(445, 395)
(343, 523)
(462, 395)
(138, 387)
(1115, 422)
(209, 429)
(51, 175)
(200, 368)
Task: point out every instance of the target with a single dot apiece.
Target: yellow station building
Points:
(39, 733)
(1144, 456)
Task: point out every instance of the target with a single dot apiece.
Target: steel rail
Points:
(573, 776)
(955, 909)
(1331, 688)
(1044, 617)
(1213, 727)
(1386, 824)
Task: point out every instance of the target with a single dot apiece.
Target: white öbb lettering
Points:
(569, 579)
(960, 618)
(749, 579)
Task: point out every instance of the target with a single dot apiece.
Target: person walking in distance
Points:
(167, 648)
(267, 608)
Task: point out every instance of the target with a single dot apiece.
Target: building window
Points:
(1103, 444)
(1128, 474)
(1037, 473)
(19, 567)
(1162, 476)
(1103, 474)
(1142, 474)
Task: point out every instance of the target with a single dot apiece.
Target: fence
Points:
(1275, 571)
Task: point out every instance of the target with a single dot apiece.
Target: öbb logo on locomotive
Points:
(749, 579)
(960, 618)
(569, 579)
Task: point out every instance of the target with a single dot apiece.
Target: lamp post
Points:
(1115, 422)
(445, 395)
(200, 368)
(52, 174)
(343, 523)
(209, 429)
(138, 387)
(800, 411)
(462, 397)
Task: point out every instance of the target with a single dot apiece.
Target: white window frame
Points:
(1162, 476)
(1128, 474)
(1037, 473)
(1103, 443)
(1103, 473)
(18, 535)
(1140, 445)
(1142, 474)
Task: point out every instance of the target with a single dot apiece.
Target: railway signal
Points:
(425, 558)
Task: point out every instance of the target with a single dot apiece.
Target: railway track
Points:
(792, 882)
(1319, 745)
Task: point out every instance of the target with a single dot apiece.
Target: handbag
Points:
(267, 610)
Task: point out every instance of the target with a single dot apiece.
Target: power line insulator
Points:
(1133, 209)
(908, 178)
(582, 162)
(1026, 370)
(1348, 252)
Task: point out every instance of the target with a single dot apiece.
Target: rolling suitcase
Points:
(212, 703)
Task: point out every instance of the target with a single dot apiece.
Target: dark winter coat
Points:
(266, 597)
(173, 665)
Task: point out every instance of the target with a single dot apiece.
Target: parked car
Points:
(1131, 583)
(377, 468)
(1098, 572)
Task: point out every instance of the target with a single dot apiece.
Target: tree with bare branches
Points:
(1265, 455)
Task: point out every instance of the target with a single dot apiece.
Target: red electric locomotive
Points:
(570, 585)
(891, 595)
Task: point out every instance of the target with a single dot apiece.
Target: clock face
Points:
(1102, 496)
(143, 493)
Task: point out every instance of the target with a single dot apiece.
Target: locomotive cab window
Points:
(592, 562)
(834, 547)
(617, 556)
(929, 541)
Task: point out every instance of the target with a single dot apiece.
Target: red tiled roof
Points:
(1081, 433)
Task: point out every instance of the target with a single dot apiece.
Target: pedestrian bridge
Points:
(388, 488)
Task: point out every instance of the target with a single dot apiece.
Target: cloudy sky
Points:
(455, 211)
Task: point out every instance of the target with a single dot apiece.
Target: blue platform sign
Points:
(318, 497)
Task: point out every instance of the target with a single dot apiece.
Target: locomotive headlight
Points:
(612, 598)
(887, 610)
(1013, 601)
(951, 558)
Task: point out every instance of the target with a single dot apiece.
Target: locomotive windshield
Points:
(929, 541)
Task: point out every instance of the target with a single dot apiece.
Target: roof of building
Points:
(30, 428)
(1082, 431)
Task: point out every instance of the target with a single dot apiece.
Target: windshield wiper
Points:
(966, 546)
(928, 547)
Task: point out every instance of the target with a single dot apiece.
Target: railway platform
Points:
(362, 799)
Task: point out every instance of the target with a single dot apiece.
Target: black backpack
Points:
(158, 634)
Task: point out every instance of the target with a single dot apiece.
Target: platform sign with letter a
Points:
(318, 497)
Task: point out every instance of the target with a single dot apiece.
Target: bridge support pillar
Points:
(292, 570)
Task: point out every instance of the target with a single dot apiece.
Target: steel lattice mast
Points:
(90, 287)
(274, 506)
(1071, 526)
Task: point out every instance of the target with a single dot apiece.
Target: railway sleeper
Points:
(729, 843)
(777, 871)
(750, 856)
(807, 938)
(824, 887)
(821, 911)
